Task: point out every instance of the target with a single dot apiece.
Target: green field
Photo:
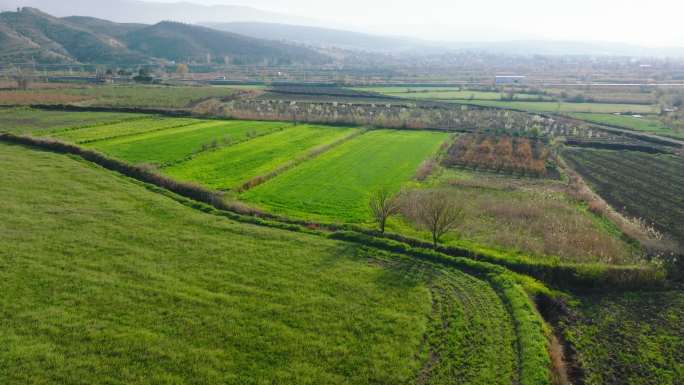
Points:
(630, 338)
(446, 93)
(117, 130)
(31, 121)
(229, 167)
(138, 96)
(117, 284)
(629, 122)
(176, 144)
(337, 184)
(605, 108)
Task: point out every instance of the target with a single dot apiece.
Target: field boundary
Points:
(564, 275)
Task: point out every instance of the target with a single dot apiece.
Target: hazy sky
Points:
(654, 22)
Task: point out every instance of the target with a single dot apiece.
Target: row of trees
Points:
(501, 153)
(432, 210)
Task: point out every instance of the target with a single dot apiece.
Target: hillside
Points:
(183, 42)
(320, 37)
(30, 34)
(37, 35)
(147, 12)
(107, 27)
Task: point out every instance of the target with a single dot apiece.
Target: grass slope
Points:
(175, 144)
(228, 167)
(29, 121)
(106, 282)
(337, 184)
(117, 284)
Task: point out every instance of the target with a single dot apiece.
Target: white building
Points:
(509, 79)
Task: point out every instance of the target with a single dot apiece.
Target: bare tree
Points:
(383, 204)
(435, 211)
(23, 77)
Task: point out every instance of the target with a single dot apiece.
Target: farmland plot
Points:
(502, 153)
(229, 167)
(111, 131)
(651, 125)
(642, 185)
(36, 122)
(337, 184)
(605, 108)
(158, 292)
(176, 144)
(629, 338)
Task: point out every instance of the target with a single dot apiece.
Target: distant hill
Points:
(320, 37)
(33, 35)
(183, 42)
(107, 27)
(146, 12)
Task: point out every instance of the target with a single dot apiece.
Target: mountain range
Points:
(145, 12)
(137, 31)
(32, 35)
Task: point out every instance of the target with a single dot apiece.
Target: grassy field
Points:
(534, 218)
(176, 144)
(117, 284)
(337, 184)
(446, 93)
(625, 121)
(138, 96)
(630, 338)
(32, 121)
(604, 108)
(229, 167)
(118, 130)
(642, 185)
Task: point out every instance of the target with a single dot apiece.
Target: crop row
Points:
(111, 131)
(499, 153)
(173, 145)
(645, 186)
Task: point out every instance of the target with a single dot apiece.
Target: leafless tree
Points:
(23, 77)
(434, 211)
(383, 204)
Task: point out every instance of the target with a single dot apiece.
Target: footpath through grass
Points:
(337, 184)
(106, 282)
(229, 167)
(176, 144)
